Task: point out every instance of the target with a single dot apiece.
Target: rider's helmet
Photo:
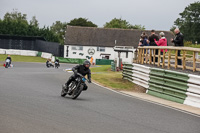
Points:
(87, 64)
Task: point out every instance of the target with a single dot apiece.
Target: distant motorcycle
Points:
(57, 64)
(49, 64)
(75, 87)
(8, 64)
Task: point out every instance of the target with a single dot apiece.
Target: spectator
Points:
(152, 39)
(140, 41)
(161, 42)
(178, 42)
(144, 42)
(91, 60)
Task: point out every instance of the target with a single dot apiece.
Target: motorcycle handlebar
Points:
(82, 76)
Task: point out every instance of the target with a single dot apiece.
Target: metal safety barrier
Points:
(171, 85)
(27, 53)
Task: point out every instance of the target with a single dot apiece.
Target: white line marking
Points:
(121, 93)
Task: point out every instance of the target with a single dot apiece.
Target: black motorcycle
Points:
(75, 87)
(7, 63)
(49, 64)
(57, 64)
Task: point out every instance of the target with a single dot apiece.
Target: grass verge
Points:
(105, 77)
(19, 58)
(188, 52)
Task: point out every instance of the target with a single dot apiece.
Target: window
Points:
(77, 48)
(73, 48)
(101, 49)
(126, 54)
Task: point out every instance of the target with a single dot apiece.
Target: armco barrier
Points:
(18, 52)
(41, 54)
(46, 55)
(136, 74)
(2, 51)
(53, 59)
(29, 53)
(13, 52)
(171, 85)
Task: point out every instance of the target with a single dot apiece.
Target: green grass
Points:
(194, 46)
(188, 52)
(19, 58)
(104, 76)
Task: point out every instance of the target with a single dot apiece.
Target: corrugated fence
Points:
(171, 85)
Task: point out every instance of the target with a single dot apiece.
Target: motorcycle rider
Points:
(48, 63)
(57, 64)
(82, 69)
(8, 61)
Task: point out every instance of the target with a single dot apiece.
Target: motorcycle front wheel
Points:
(63, 93)
(77, 91)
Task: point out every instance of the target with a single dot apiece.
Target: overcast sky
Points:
(153, 14)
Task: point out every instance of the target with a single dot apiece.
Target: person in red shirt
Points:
(162, 41)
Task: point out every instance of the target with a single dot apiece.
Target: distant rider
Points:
(48, 63)
(8, 60)
(57, 64)
(82, 69)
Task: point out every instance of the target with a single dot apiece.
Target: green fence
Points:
(103, 62)
(70, 60)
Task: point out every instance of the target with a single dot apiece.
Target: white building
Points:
(84, 42)
(83, 52)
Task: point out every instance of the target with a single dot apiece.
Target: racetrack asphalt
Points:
(30, 102)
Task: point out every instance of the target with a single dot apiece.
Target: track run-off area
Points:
(30, 102)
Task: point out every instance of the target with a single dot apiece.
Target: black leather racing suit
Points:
(82, 70)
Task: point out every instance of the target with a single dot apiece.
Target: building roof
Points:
(105, 37)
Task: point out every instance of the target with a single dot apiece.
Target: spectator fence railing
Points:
(147, 55)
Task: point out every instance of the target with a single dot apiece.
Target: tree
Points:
(15, 16)
(140, 27)
(15, 23)
(59, 28)
(117, 23)
(34, 22)
(189, 22)
(172, 28)
(81, 22)
(48, 34)
(122, 24)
